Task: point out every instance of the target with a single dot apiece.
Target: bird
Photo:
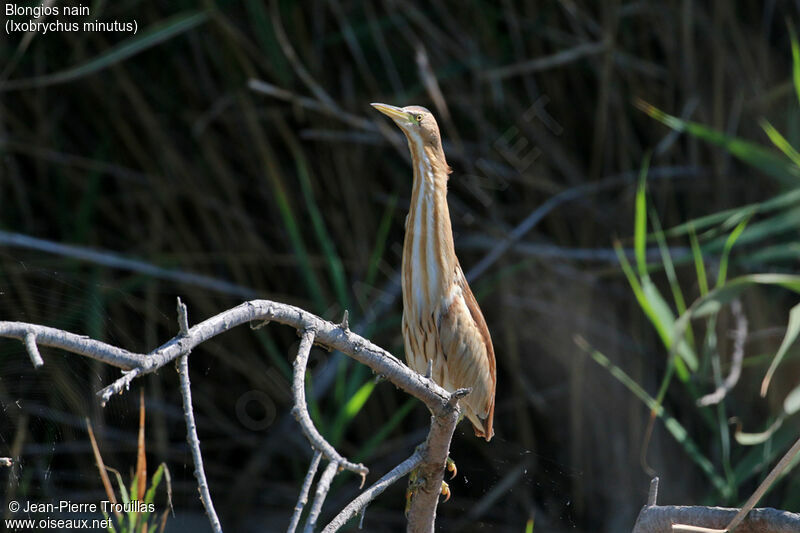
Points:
(444, 331)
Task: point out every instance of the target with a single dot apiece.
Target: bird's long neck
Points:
(429, 258)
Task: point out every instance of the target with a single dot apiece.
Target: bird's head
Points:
(416, 122)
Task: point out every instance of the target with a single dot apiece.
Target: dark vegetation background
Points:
(156, 149)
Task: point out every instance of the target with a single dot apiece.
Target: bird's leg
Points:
(429, 372)
(414, 483)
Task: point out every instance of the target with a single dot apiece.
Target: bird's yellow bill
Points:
(391, 111)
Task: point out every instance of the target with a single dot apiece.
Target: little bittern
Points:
(443, 328)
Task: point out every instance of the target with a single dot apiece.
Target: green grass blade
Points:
(150, 495)
(780, 141)
(792, 331)
(723, 262)
(356, 403)
(350, 410)
(761, 231)
(789, 251)
(757, 156)
(658, 312)
(529, 526)
(640, 219)
(731, 217)
(674, 427)
(148, 38)
(711, 303)
(669, 269)
(795, 61)
(699, 265)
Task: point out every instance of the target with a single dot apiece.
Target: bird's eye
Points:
(419, 118)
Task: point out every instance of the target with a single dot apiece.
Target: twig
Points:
(323, 487)
(303, 498)
(183, 318)
(652, 494)
(33, 350)
(765, 485)
(191, 428)
(120, 385)
(359, 504)
(300, 410)
(71, 342)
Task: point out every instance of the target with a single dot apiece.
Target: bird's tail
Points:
(482, 426)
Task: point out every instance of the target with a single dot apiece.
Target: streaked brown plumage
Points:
(442, 323)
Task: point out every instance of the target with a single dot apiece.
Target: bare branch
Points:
(194, 444)
(359, 504)
(660, 519)
(443, 405)
(300, 410)
(652, 494)
(183, 318)
(675, 518)
(120, 385)
(422, 515)
(323, 487)
(33, 350)
(79, 344)
(327, 333)
(303, 498)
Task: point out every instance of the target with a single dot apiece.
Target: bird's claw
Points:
(451, 467)
(415, 482)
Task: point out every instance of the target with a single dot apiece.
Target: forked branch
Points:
(430, 456)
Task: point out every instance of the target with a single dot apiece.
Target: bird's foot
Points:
(415, 481)
(451, 467)
(445, 490)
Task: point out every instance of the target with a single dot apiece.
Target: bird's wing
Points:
(467, 347)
